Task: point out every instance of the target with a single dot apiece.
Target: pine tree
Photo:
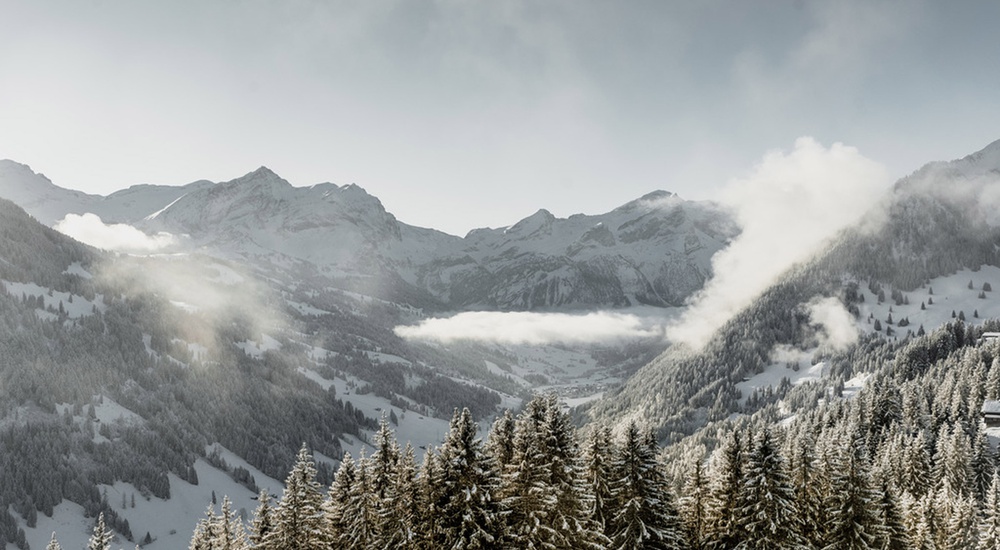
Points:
(101, 539)
(263, 521)
(400, 517)
(527, 500)
(989, 523)
(571, 516)
(692, 505)
(766, 513)
(299, 522)
(646, 517)
(598, 458)
(336, 505)
(205, 535)
(500, 444)
(852, 510)
(726, 481)
(891, 533)
(467, 513)
(53, 543)
(360, 517)
(229, 532)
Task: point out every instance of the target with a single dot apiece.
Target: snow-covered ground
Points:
(74, 305)
(951, 293)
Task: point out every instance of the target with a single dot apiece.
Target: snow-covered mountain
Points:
(655, 250)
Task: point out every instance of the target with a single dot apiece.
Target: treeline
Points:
(530, 485)
(905, 463)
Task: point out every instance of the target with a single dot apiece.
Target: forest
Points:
(905, 463)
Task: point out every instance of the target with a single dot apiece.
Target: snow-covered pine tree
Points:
(400, 516)
(262, 522)
(598, 458)
(53, 543)
(989, 520)
(852, 506)
(360, 510)
(646, 516)
(527, 500)
(229, 532)
(338, 496)
(205, 534)
(467, 514)
(571, 516)
(101, 539)
(891, 534)
(807, 482)
(692, 504)
(766, 514)
(299, 522)
(384, 465)
(725, 483)
(500, 443)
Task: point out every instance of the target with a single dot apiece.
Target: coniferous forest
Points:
(904, 463)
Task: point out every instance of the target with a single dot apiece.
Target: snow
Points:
(76, 268)
(951, 293)
(169, 522)
(775, 372)
(257, 349)
(74, 305)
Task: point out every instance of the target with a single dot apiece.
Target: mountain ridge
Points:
(654, 250)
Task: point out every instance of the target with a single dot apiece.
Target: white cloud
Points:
(534, 328)
(838, 325)
(788, 206)
(90, 229)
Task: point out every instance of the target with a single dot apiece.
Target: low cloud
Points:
(535, 328)
(789, 206)
(119, 237)
(838, 326)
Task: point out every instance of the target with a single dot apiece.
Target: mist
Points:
(789, 205)
(533, 328)
(119, 237)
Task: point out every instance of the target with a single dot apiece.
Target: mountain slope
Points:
(655, 250)
(937, 221)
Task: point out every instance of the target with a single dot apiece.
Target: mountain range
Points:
(655, 250)
(268, 321)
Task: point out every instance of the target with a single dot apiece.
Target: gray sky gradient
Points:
(460, 114)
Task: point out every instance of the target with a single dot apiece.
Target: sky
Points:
(461, 114)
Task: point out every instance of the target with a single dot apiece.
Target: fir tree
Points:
(598, 457)
(467, 513)
(298, 518)
(646, 517)
(527, 500)
(500, 444)
(852, 509)
(229, 532)
(766, 513)
(263, 521)
(989, 523)
(53, 543)
(101, 539)
(726, 481)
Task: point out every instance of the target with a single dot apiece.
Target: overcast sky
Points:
(462, 114)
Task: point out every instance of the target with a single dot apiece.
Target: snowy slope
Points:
(655, 250)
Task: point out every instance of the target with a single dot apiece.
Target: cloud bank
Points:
(788, 206)
(534, 328)
(119, 237)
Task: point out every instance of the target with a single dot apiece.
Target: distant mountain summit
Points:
(655, 250)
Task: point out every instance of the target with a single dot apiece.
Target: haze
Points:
(468, 114)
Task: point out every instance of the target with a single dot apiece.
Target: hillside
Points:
(934, 223)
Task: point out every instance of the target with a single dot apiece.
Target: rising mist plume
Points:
(789, 205)
(118, 237)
